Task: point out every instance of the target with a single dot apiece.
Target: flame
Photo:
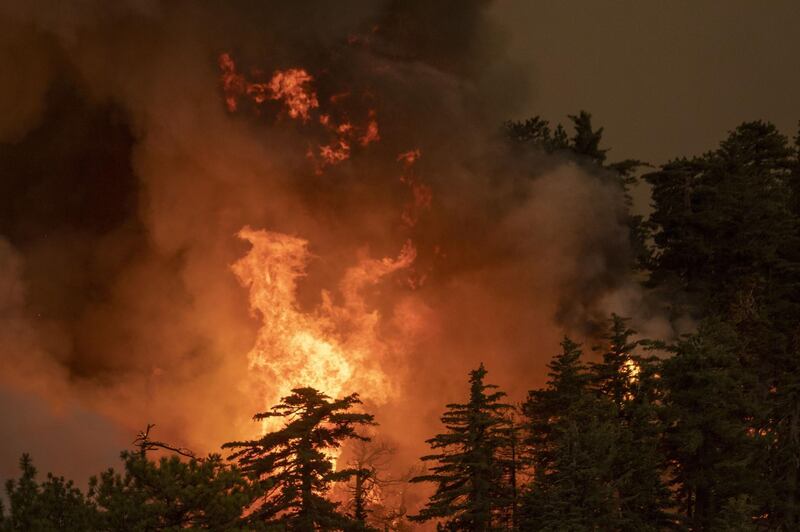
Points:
(335, 348)
(233, 84)
(631, 370)
(294, 88)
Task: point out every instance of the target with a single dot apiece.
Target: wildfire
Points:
(631, 370)
(294, 88)
(336, 348)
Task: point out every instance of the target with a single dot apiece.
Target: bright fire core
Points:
(335, 348)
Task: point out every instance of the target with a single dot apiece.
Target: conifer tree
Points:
(292, 464)
(170, 494)
(709, 441)
(727, 236)
(628, 380)
(55, 504)
(470, 492)
(570, 438)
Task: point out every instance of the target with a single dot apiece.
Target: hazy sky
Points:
(665, 78)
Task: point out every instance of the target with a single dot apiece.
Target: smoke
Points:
(126, 181)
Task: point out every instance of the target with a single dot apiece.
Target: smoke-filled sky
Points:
(129, 166)
(664, 78)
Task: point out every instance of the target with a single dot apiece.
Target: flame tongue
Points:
(335, 348)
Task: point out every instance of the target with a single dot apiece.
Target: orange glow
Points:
(233, 84)
(294, 88)
(336, 153)
(335, 348)
(371, 135)
(631, 370)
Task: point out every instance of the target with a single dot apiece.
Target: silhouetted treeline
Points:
(699, 433)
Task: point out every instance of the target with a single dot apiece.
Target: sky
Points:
(665, 79)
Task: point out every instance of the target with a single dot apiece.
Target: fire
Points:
(371, 135)
(335, 348)
(631, 370)
(294, 88)
(233, 84)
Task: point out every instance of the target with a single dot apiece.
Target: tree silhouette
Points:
(470, 488)
(294, 464)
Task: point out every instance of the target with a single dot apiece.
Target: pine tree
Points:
(727, 236)
(293, 463)
(586, 141)
(709, 440)
(22, 494)
(170, 494)
(513, 466)
(722, 223)
(470, 492)
(628, 380)
(55, 504)
(570, 438)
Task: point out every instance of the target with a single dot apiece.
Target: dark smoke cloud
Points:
(125, 180)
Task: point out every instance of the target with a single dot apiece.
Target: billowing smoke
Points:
(127, 178)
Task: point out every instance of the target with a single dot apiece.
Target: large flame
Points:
(335, 348)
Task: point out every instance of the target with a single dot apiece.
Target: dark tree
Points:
(293, 464)
(570, 438)
(629, 381)
(709, 440)
(170, 494)
(365, 489)
(727, 236)
(53, 505)
(470, 489)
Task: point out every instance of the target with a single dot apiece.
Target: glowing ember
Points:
(333, 154)
(293, 87)
(371, 134)
(233, 84)
(631, 370)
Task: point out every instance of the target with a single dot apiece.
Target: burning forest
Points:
(314, 253)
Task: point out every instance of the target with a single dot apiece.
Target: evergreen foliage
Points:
(709, 441)
(292, 464)
(53, 505)
(470, 492)
(169, 494)
(570, 436)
